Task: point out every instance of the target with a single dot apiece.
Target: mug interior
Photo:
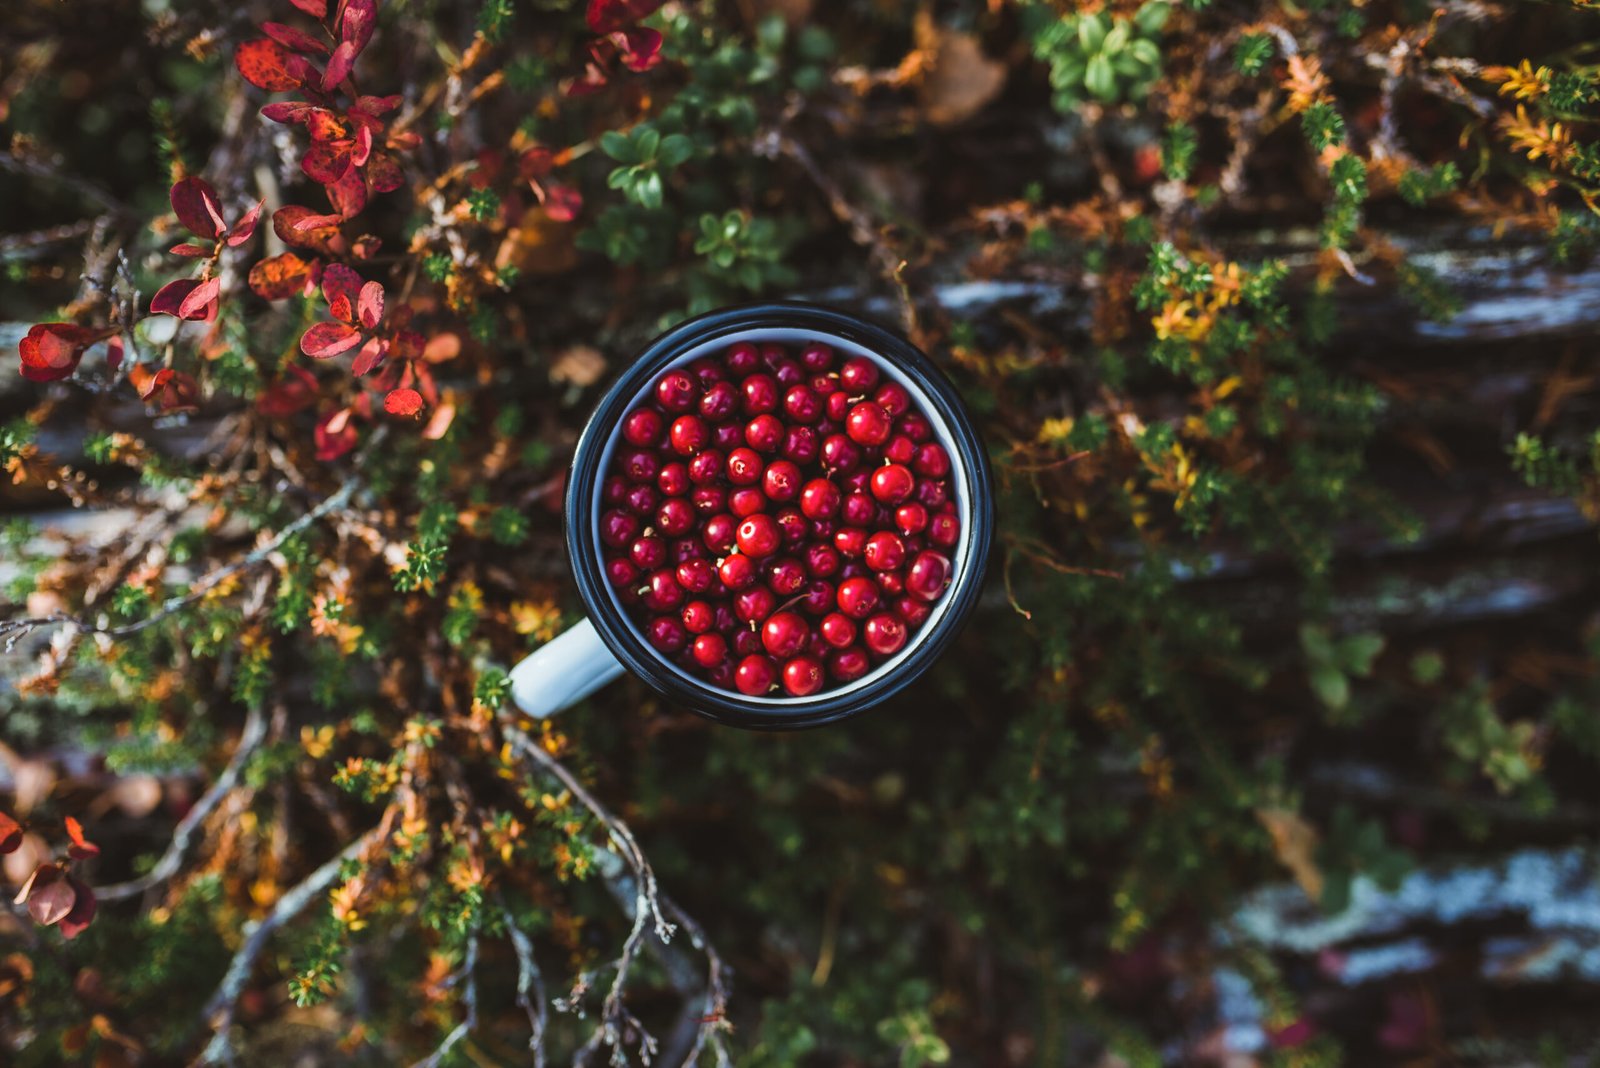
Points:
(962, 564)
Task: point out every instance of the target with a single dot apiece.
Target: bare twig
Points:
(531, 994)
(467, 976)
(220, 1007)
(255, 729)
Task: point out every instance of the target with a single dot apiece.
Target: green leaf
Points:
(1152, 17)
(675, 151)
(1117, 39)
(1145, 52)
(617, 146)
(646, 140)
(1091, 33)
(1331, 686)
(1316, 643)
(1101, 79)
(1357, 652)
(647, 191)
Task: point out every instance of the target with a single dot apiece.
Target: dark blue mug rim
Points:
(583, 483)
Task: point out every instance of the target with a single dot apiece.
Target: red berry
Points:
(944, 530)
(927, 575)
(758, 536)
(621, 573)
(666, 634)
(709, 650)
(642, 500)
(677, 391)
(720, 402)
(802, 676)
(707, 468)
(696, 576)
(915, 427)
(755, 675)
(816, 357)
(617, 528)
(931, 460)
(858, 374)
(773, 354)
(867, 424)
(900, 449)
(850, 664)
(673, 480)
(754, 604)
(782, 480)
(931, 492)
(859, 510)
(840, 454)
(686, 549)
(640, 465)
(698, 617)
(801, 404)
(911, 518)
(728, 435)
(648, 552)
(837, 630)
(885, 634)
(745, 467)
(892, 583)
(675, 517)
(720, 533)
(786, 576)
(664, 593)
(788, 374)
(820, 499)
(892, 483)
(689, 435)
(783, 634)
(851, 541)
(614, 489)
(760, 394)
(736, 572)
(707, 371)
(913, 611)
(819, 598)
(764, 433)
(893, 398)
(822, 560)
(800, 444)
(793, 526)
(884, 551)
(858, 597)
(746, 501)
(642, 427)
(742, 358)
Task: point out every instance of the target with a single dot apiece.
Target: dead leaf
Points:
(958, 78)
(538, 244)
(1295, 843)
(33, 852)
(580, 365)
(31, 782)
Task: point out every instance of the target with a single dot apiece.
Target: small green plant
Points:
(645, 156)
(1109, 58)
(1333, 662)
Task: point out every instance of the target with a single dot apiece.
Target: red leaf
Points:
(403, 402)
(373, 106)
(315, 8)
(81, 848)
(334, 435)
(341, 288)
(326, 340)
(318, 222)
(10, 834)
(171, 390)
(267, 64)
(51, 351)
(641, 48)
(327, 161)
(170, 297)
(369, 305)
(366, 246)
(535, 163)
(339, 65)
(294, 392)
(383, 173)
(280, 277)
(324, 125)
(192, 251)
(289, 111)
(604, 16)
(51, 901)
(562, 202)
(349, 194)
(245, 229)
(114, 353)
(77, 921)
(196, 205)
(301, 227)
(194, 305)
(370, 356)
(293, 39)
(363, 149)
(359, 20)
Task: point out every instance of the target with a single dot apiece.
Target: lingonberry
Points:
(760, 394)
(850, 664)
(642, 500)
(858, 597)
(893, 399)
(736, 571)
(851, 541)
(837, 629)
(900, 449)
(617, 528)
(802, 676)
(755, 675)
(884, 552)
(742, 358)
(884, 634)
(673, 479)
(784, 634)
(782, 480)
(754, 604)
(675, 517)
(709, 650)
(944, 530)
(642, 427)
(820, 499)
(836, 405)
(816, 356)
(698, 617)
(746, 501)
(892, 483)
(708, 500)
(911, 518)
(867, 424)
(640, 465)
(801, 405)
(666, 634)
(758, 536)
(800, 444)
(728, 435)
(648, 552)
(927, 575)
(677, 391)
(720, 402)
(745, 467)
(689, 434)
(696, 575)
(858, 374)
(720, 532)
(786, 576)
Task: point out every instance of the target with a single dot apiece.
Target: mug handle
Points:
(563, 671)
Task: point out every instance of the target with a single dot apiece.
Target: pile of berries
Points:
(778, 521)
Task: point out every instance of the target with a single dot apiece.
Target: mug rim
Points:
(627, 644)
